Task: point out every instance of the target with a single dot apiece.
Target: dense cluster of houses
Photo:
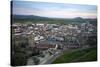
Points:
(53, 32)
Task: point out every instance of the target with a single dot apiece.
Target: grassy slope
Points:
(90, 56)
(77, 56)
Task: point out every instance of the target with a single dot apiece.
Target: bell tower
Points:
(31, 39)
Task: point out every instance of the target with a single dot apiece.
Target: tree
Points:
(18, 56)
(36, 60)
(18, 59)
(92, 41)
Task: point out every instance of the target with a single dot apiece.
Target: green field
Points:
(77, 56)
(46, 21)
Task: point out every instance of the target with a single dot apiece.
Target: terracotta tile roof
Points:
(45, 46)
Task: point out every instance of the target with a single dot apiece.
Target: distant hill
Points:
(27, 17)
(34, 18)
(40, 17)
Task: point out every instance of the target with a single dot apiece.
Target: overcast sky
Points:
(54, 10)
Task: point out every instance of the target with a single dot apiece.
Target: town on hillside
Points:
(42, 43)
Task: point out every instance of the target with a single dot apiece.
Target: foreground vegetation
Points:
(77, 56)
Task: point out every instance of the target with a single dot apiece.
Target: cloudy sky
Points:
(54, 10)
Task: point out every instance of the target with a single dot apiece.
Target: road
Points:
(51, 59)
